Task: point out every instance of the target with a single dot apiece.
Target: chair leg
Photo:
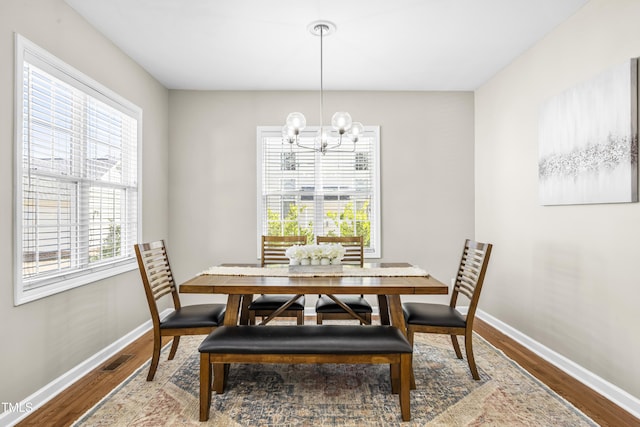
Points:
(205, 386)
(394, 373)
(468, 346)
(412, 374)
(405, 396)
(219, 377)
(252, 317)
(300, 317)
(456, 346)
(155, 358)
(174, 347)
(319, 318)
(367, 318)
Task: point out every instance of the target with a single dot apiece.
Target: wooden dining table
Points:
(388, 288)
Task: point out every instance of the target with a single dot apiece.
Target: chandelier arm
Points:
(353, 150)
(307, 147)
(332, 146)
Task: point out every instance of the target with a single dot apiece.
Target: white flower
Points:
(333, 251)
(296, 252)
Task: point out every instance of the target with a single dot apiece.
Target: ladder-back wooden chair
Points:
(327, 308)
(273, 252)
(446, 319)
(158, 282)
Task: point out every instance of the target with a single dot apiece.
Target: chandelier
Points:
(341, 123)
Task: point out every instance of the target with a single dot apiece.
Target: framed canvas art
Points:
(588, 141)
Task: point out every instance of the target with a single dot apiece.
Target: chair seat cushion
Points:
(274, 302)
(356, 302)
(418, 313)
(195, 316)
(307, 339)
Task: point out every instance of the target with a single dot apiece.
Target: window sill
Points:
(22, 296)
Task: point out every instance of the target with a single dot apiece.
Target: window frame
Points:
(374, 251)
(65, 280)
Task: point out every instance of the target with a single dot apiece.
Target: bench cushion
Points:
(307, 339)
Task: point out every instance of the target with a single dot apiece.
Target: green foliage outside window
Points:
(349, 222)
(352, 222)
(289, 225)
(111, 244)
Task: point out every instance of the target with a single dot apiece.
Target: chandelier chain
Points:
(341, 122)
(322, 28)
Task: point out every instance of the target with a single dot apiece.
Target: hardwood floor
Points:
(69, 405)
(601, 410)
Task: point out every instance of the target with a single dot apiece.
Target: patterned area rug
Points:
(345, 395)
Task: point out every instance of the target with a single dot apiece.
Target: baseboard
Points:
(610, 391)
(55, 387)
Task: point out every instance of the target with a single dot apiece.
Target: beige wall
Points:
(564, 275)
(44, 339)
(426, 172)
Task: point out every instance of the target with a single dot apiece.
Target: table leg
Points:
(396, 314)
(231, 313)
(397, 320)
(230, 319)
(383, 306)
(244, 309)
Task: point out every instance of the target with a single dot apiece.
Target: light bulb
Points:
(341, 121)
(296, 121)
(356, 131)
(288, 133)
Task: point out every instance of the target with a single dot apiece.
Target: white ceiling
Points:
(378, 45)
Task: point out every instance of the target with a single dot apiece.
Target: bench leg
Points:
(405, 383)
(205, 386)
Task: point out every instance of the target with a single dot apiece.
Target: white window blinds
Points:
(77, 169)
(304, 192)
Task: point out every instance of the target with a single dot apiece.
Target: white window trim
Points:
(376, 235)
(62, 282)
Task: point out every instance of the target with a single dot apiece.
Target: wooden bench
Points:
(304, 344)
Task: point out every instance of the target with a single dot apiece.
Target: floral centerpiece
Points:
(324, 254)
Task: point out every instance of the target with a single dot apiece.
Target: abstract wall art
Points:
(588, 141)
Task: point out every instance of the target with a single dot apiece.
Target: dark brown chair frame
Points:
(157, 278)
(469, 281)
(354, 254)
(273, 252)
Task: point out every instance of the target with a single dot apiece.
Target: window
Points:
(76, 177)
(303, 192)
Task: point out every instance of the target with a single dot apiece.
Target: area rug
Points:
(340, 395)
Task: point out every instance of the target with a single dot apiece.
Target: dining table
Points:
(388, 281)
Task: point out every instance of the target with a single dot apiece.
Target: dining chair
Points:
(273, 252)
(446, 319)
(158, 282)
(326, 307)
